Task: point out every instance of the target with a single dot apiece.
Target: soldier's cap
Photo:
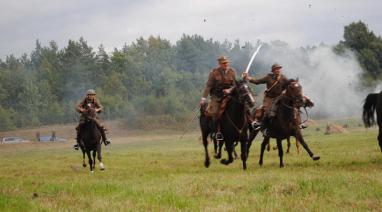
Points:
(90, 92)
(223, 59)
(275, 66)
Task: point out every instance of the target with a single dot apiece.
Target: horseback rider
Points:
(90, 102)
(276, 84)
(220, 83)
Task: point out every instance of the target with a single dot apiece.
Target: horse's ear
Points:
(297, 79)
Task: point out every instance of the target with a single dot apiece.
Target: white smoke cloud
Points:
(330, 80)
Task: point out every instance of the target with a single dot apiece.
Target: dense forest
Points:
(150, 81)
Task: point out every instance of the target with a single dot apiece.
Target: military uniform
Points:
(275, 87)
(87, 104)
(218, 80)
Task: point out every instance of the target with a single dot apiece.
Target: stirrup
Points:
(219, 136)
(256, 125)
(76, 146)
(303, 126)
(107, 142)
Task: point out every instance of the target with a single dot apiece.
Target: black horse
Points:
(286, 122)
(90, 140)
(373, 102)
(233, 124)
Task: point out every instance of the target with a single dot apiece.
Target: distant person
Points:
(219, 84)
(90, 101)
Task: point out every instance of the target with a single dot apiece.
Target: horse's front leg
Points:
(90, 160)
(380, 137)
(281, 152)
(244, 156)
(263, 146)
(301, 140)
(205, 144)
(298, 146)
(99, 157)
(229, 147)
(94, 158)
(83, 157)
(251, 137)
(220, 146)
(288, 144)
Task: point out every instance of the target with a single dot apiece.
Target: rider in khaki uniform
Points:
(90, 101)
(220, 83)
(276, 84)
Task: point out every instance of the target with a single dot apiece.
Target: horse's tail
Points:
(369, 108)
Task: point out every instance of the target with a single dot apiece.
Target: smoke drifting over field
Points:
(330, 80)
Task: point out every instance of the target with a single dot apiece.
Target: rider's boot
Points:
(105, 140)
(76, 146)
(266, 124)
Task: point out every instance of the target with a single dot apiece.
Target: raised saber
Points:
(252, 58)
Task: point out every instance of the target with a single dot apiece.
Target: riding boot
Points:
(267, 121)
(76, 146)
(104, 138)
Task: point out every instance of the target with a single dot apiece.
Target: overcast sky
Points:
(115, 22)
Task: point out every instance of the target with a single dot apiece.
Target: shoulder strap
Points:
(274, 84)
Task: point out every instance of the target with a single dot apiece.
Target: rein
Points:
(239, 130)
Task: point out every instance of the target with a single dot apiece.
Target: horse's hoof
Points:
(281, 165)
(83, 165)
(101, 166)
(316, 157)
(217, 156)
(207, 163)
(244, 166)
(92, 171)
(225, 161)
(260, 163)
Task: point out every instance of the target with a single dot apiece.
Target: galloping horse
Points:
(234, 124)
(286, 123)
(373, 102)
(90, 140)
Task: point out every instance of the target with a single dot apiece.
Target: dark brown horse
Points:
(233, 126)
(90, 140)
(373, 103)
(286, 123)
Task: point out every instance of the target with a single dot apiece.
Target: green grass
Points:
(163, 173)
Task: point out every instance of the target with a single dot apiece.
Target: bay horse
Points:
(90, 140)
(286, 122)
(233, 124)
(373, 103)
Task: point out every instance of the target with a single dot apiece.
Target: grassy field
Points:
(157, 172)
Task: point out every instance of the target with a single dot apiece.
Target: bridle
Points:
(243, 92)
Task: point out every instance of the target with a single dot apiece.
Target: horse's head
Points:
(245, 94)
(294, 92)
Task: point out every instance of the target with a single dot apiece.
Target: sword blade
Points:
(252, 58)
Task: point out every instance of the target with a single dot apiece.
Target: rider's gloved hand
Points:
(203, 101)
(246, 77)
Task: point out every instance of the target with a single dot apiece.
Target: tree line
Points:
(150, 81)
